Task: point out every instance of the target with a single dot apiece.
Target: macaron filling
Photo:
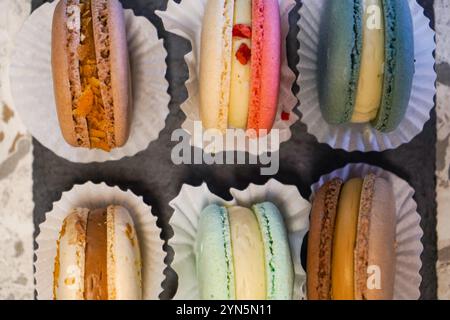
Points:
(240, 64)
(92, 99)
(248, 259)
(344, 241)
(371, 72)
(96, 274)
(248, 255)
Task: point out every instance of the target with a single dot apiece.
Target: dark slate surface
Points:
(152, 174)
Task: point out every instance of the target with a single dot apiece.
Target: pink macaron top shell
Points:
(265, 64)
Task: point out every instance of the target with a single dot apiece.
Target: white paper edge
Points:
(177, 20)
(192, 200)
(406, 207)
(364, 138)
(93, 196)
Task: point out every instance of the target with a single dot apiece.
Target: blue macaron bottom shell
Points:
(339, 59)
(399, 65)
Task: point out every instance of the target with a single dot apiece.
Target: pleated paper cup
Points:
(185, 20)
(363, 137)
(192, 200)
(409, 233)
(32, 86)
(95, 196)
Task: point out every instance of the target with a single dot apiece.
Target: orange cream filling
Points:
(90, 103)
(344, 242)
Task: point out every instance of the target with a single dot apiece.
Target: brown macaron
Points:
(353, 226)
(91, 73)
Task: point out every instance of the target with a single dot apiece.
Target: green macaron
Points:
(340, 50)
(217, 266)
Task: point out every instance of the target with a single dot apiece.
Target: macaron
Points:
(91, 79)
(366, 62)
(243, 254)
(240, 63)
(351, 242)
(97, 256)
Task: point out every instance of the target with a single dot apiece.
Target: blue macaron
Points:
(339, 61)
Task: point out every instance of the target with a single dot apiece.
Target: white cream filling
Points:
(371, 77)
(248, 254)
(240, 74)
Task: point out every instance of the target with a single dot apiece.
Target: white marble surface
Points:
(442, 10)
(16, 203)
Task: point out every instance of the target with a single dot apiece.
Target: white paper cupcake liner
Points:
(94, 196)
(185, 20)
(409, 233)
(192, 200)
(32, 86)
(363, 137)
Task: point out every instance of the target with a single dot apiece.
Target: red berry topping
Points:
(244, 54)
(285, 116)
(242, 31)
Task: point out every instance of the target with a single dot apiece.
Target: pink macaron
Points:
(240, 63)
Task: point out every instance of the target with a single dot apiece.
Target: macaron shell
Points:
(279, 265)
(399, 66)
(214, 256)
(120, 78)
(61, 75)
(382, 231)
(339, 59)
(69, 261)
(124, 258)
(265, 64)
(320, 240)
(215, 63)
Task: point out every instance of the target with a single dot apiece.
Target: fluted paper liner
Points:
(363, 137)
(192, 200)
(32, 86)
(94, 196)
(409, 233)
(185, 20)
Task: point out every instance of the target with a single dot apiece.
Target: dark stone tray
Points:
(302, 160)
